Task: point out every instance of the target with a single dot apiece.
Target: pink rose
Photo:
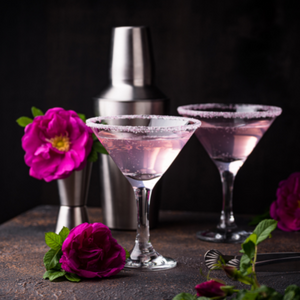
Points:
(91, 251)
(56, 144)
(286, 209)
(210, 289)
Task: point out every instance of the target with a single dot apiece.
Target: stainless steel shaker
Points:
(130, 91)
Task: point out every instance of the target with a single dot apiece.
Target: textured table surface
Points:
(22, 248)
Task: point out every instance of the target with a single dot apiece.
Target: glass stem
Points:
(227, 221)
(142, 248)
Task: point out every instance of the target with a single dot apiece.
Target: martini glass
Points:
(143, 147)
(229, 133)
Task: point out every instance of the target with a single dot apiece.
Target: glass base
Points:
(155, 263)
(221, 236)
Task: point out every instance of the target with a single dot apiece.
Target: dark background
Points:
(56, 53)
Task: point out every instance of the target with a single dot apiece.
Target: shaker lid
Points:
(131, 66)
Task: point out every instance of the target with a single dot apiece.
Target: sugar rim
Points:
(268, 111)
(142, 129)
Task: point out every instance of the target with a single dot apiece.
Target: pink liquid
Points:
(143, 157)
(231, 143)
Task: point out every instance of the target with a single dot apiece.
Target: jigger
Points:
(73, 193)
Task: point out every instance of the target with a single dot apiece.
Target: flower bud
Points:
(230, 271)
(211, 289)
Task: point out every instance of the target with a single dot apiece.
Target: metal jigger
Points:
(130, 91)
(73, 193)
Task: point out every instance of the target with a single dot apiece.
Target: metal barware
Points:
(73, 193)
(266, 262)
(130, 91)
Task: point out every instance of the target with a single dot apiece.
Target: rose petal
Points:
(90, 251)
(36, 143)
(66, 165)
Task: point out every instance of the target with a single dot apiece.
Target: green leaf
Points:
(249, 249)
(51, 259)
(99, 147)
(96, 148)
(240, 295)
(54, 264)
(24, 121)
(48, 273)
(294, 288)
(292, 292)
(264, 229)
(228, 289)
(250, 295)
(36, 112)
(289, 295)
(252, 237)
(277, 296)
(72, 277)
(127, 253)
(94, 137)
(245, 264)
(93, 156)
(56, 274)
(53, 240)
(53, 274)
(186, 296)
(64, 233)
(268, 293)
(82, 117)
(244, 278)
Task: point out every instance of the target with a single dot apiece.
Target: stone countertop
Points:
(22, 248)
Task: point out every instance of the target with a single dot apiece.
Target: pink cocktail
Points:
(143, 148)
(229, 133)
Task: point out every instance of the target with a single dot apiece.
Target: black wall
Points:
(55, 53)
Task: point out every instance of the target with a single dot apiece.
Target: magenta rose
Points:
(210, 289)
(56, 144)
(91, 251)
(286, 209)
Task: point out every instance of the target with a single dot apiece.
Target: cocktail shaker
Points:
(130, 91)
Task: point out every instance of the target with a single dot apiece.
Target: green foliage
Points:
(187, 296)
(52, 257)
(96, 148)
(252, 237)
(82, 117)
(249, 249)
(64, 233)
(292, 292)
(53, 274)
(24, 121)
(53, 240)
(263, 229)
(36, 112)
(127, 253)
(72, 277)
(99, 147)
(247, 274)
(245, 264)
(263, 292)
